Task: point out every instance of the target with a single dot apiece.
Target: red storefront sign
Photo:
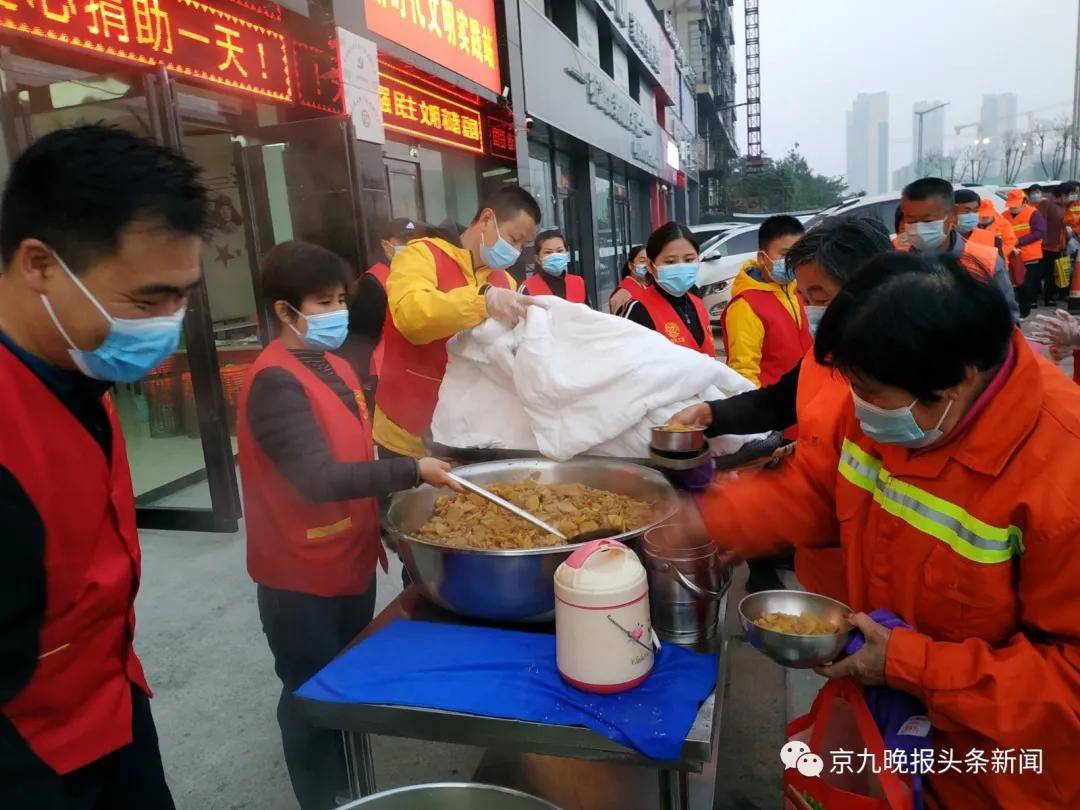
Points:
(186, 36)
(501, 142)
(414, 107)
(457, 34)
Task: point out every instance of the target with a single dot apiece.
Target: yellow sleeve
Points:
(422, 312)
(744, 334)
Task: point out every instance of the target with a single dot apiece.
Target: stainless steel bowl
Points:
(677, 440)
(511, 585)
(789, 649)
(451, 796)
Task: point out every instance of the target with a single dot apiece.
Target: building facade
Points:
(706, 28)
(998, 116)
(868, 144)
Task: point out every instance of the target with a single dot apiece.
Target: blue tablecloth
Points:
(511, 674)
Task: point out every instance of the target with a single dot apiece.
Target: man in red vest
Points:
(436, 290)
(551, 278)
(101, 235)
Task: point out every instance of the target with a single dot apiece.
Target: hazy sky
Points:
(817, 55)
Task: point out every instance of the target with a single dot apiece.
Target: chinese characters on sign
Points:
(457, 34)
(501, 141)
(410, 108)
(923, 761)
(186, 36)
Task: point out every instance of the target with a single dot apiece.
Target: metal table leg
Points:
(674, 790)
(359, 766)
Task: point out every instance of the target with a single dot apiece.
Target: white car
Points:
(721, 258)
(883, 206)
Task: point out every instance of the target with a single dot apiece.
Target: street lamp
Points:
(918, 153)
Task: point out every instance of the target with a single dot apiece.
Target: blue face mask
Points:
(813, 317)
(677, 279)
(896, 425)
(968, 221)
(926, 236)
(501, 254)
(640, 271)
(782, 273)
(555, 263)
(327, 330)
(131, 349)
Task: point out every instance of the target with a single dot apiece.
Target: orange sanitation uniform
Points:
(974, 543)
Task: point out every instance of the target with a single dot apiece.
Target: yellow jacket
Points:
(424, 314)
(744, 328)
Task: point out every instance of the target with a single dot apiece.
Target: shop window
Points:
(603, 35)
(564, 14)
(634, 80)
(448, 179)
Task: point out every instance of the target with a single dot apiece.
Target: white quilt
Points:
(569, 380)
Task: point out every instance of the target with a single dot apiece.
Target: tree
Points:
(974, 163)
(1052, 140)
(788, 184)
(1014, 150)
(936, 164)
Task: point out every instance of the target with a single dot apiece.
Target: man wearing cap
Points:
(1029, 227)
(991, 220)
(367, 311)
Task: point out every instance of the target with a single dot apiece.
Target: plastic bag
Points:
(840, 720)
(1062, 272)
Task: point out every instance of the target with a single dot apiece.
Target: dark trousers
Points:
(305, 633)
(1051, 292)
(130, 778)
(1028, 292)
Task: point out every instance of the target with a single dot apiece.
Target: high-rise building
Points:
(706, 30)
(998, 116)
(868, 143)
(933, 130)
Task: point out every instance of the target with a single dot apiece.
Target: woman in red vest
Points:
(635, 280)
(310, 484)
(668, 306)
(551, 278)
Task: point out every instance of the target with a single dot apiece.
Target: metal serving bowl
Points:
(789, 649)
(511, 585)
(451, 796)
(685, 440)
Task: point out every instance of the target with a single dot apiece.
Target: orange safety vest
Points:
(409, 386)
(785, 340)
(667, 322)
(76, 707)
(1072, 215)
(575, 287)
(980, 254)
(325, 548)
(380, 272)
(1021, 225)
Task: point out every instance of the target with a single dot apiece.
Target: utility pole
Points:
(1076, 103)
(918, 151)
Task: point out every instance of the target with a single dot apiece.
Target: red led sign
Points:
(501, 138)
(457, 34)
(186, 36)
(413, 109)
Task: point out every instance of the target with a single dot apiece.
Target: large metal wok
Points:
(511, 585)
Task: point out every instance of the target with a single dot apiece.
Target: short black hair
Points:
(1033, 187)
(665, 235)
(292, 270)
(403, 229)
(916, 322)
(1060, 190)
(897, 218)
(630, 257)
(965, 195)
(929, 188)
(508, 202)
(77, 189)
(841, 245)
(550, 233)
(776, 226)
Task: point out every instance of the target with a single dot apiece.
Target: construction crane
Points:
(753, 85)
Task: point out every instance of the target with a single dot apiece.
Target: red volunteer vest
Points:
(380, 272)
(632, 287)
(77, 706)
(500, 278)
(409, 387)
(325, 549)
(575, 287)
(667, 322)
(785, 341)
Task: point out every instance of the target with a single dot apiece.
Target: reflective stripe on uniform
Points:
(961, 531)
(1021, 227)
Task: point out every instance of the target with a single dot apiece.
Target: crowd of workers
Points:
(933, 476)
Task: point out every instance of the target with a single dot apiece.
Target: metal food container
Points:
(790, 649)
(687, 582)
(511, 585)
(685, 440)
(451, 796)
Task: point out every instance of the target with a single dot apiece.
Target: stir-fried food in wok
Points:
(805, 624)
(469, 521)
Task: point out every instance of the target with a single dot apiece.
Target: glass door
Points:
(403, 181)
